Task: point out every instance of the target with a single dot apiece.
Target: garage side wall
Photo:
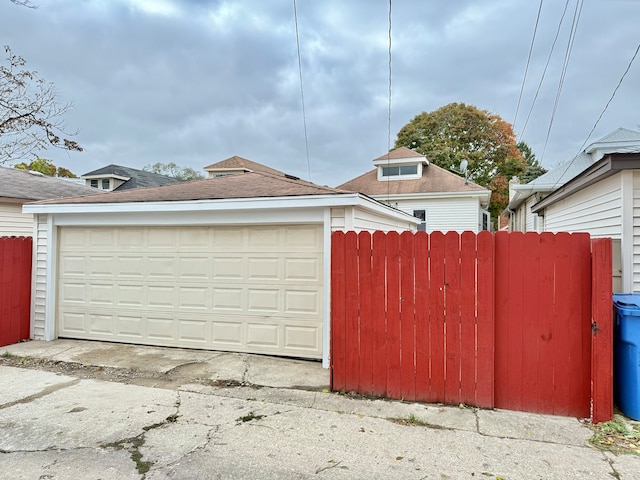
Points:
(359, 219)
(39, 278)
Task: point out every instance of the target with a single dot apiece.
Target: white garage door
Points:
(251, 289)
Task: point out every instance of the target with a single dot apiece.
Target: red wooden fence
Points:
(489, 320)
(15, 289)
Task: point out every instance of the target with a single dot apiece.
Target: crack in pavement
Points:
(44, 392)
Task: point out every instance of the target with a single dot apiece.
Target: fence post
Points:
(602, 331)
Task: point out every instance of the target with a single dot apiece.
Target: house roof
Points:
(137, 178)
(236, 162)
(400, 152)
(621, 140)
(27, 186)
(434, 179)
(248, 185)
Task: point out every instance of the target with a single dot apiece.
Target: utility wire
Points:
(545, 68)
(572, 34)
(389, 111)
(304, 115)
(526, 68)
(615, 90)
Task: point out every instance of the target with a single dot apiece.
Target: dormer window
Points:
(400, 170)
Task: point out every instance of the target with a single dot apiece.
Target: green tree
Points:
(46, 167)
(459, 132)
(534, 169)
(172, 170)
(30, 115)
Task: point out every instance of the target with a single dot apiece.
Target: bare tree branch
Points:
(31, 119)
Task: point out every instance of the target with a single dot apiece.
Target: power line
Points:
(304, 115)
(572, 34)
(526, 68)
(389, 111)
(544, 72)
(615, 90)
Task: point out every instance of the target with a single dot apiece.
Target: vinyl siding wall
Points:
(596, 209)
(636, 231)
(39, 279)
(445, 214)
(14, 223)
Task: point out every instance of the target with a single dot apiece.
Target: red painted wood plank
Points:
(422, 316)
(378, 303)
(602, 337)
(407, 316)
(546, 323)
(338, 283)
(452, 317)
(394, 383)
(502, 319)
(436, 317)
(468, 318)
(530, 319)
(4, 283)
(580, 340)
(563, 317)
(485, 320)
(366, 323)
(352, 323)
(515, 332)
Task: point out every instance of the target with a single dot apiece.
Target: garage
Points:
(248, 289)
(235, 263)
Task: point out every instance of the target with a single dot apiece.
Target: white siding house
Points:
(443, 200)
(597, 192)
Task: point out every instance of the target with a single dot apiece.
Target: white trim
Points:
(50, 289)
(34, 276)
(383, 162)
(626, 244)
(235, 204)
(326, 306)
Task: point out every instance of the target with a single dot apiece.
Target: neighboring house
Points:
(597, 192)
(237, 263)
(235, 165)
(442, 200)
(18, 187)
(117, 177)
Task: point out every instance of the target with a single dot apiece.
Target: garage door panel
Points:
(245, 289)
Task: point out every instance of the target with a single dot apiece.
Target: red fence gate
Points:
(500, 320)
(15, 289)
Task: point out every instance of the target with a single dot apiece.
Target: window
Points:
(94, 183)
(400, 170)
(422, 215)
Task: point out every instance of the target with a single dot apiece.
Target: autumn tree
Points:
(31, 119)
(46, 167)
(459, 132)
(172, 170)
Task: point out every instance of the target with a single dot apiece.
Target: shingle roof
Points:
(22, 185)
(137, 178)
(400, 152)
(248, 185)
(434, 179)
(237, 162)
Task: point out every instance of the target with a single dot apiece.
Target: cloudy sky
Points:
(197, 81)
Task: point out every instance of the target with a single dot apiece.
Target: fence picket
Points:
(394, 381)
(422, 316)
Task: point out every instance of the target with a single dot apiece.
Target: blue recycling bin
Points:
(626, 345)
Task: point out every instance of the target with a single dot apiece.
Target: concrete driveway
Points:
(79, 423)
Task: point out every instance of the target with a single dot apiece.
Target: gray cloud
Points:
(203, 80)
